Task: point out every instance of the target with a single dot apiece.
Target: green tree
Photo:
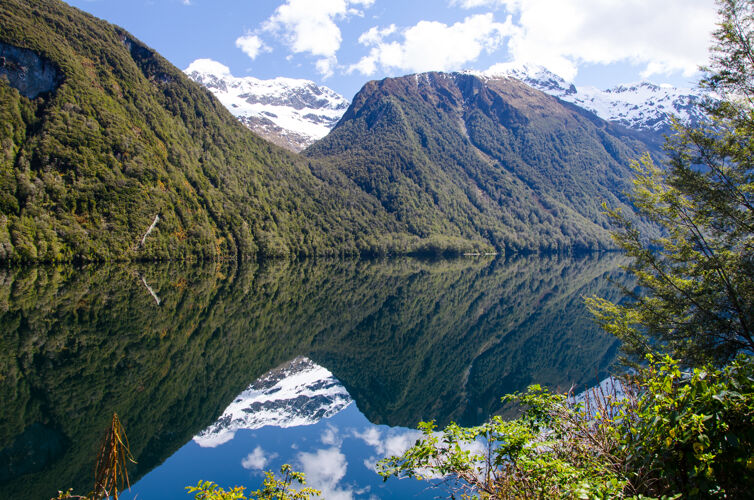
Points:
(696, 299)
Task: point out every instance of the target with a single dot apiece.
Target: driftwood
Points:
(144, 238)
(156, 298)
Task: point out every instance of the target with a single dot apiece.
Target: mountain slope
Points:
(640, 106)
(492, 160)
(113, 153)
(288, 112)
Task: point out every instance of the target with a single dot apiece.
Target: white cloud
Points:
(326, 66)
(330, 436)
(258, 459)
(251, 45)
(375, 35)
(664, 37)
(470, 4)
(433, 46)
(310, 27)
(370, 436)
(209, 66)
(324, 469)
(395, 442)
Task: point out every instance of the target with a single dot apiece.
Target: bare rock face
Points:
(27, 71)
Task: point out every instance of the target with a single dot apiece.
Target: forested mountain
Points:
(111, 153)
(460, 156)
(102, 139)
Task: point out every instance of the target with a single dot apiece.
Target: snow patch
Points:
(299, 392)
(640, 106)
(290, 112)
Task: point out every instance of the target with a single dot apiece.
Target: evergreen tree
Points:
(696, 300)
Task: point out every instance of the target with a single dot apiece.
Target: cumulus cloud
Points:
(330, 436)
(393, 442)
(664, 37)
(375, 34)
(326, 66)
(258, 459)
(251, 45)
(470, 4)
(310, 27)
(431, 45)
(208, 66)
(324, 469)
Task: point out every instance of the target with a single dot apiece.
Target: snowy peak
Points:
(640, 106)
(289, 112)
(538, 77)
(299, 392)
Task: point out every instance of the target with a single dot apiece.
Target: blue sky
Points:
(344, 43)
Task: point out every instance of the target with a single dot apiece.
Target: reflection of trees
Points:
(447, 345)
(409, 340)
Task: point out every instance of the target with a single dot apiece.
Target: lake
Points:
(219, 371)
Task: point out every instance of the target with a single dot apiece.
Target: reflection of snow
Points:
(297, 393)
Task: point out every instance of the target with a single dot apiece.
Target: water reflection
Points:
(169, 347)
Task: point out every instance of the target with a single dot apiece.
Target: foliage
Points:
(664, 433)
(697, 297)
(273, 488)
(207, 490)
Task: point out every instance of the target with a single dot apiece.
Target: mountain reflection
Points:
(170, 346)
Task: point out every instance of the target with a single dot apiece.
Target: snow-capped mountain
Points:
(299, 392)
(289, 112)
(641, 106)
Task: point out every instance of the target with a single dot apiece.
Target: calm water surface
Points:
(221, 371)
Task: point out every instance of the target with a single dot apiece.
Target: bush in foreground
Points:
(662, 434)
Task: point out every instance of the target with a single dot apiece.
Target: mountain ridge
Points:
(291, 113)
(641, 106)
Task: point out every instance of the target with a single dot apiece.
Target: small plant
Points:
(110, 474)
(273, 488)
